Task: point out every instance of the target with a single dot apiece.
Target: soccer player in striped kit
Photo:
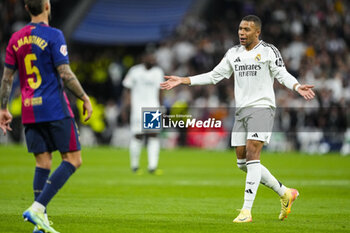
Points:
(39, 53)
(255, 65)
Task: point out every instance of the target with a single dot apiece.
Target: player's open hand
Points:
(87, 108)
(306, 91)
(172, 81)
(5, 120)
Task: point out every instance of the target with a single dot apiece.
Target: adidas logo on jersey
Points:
(237, 59)
(255, 135)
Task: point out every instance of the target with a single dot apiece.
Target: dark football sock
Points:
(55, 182)
(40, 177)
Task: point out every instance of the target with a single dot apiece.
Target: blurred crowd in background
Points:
(313, 37)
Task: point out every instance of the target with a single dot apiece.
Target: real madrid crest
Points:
(258, 57)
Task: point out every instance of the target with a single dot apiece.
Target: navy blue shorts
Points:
(62, 135)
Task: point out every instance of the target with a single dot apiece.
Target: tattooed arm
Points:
(5, 90)
(72, 83)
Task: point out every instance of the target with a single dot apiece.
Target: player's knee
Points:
(43, 160)
(253, 149)
(44, 164)
(78, 162)
(74, 158)
(253, 146)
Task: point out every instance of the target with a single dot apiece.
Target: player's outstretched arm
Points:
(173, 81)
(5, 90)
(305, 91)
(72, 83)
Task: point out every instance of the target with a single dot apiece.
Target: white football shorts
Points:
(252, 124)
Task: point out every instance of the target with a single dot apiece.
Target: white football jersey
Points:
(254, 73)
(144, 86)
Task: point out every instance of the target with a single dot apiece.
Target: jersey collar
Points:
(260, 41)
(257, 45)
(41, 23)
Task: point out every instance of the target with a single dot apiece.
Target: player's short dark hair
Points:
(35, 7)
(253, 18)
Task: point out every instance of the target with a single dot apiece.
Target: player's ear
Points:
(258, 31)
(47, 5)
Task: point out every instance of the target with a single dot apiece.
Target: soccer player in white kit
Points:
(255, 65)
(143, 80)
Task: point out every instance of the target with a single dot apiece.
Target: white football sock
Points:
(135, 151)
(38, 207)
(241, 164)
(267, 178)
(270, 181)
(252, 183)
(153, 148)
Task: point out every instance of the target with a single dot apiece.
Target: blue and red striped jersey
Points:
(36, 50)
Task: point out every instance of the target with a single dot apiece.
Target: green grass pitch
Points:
(199, 192)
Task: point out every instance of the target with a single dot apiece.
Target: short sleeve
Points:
(278, 70)
(161, 76)
(127, 82)
(224, 68)
(10, 58)
(276, 61)
(59, 49)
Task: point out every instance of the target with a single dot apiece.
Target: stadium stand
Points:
(130, 21)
